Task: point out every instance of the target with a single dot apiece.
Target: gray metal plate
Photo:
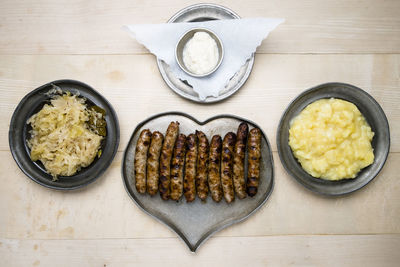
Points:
(197, 13)
(371, 111)
(195, 222)
(19, 133)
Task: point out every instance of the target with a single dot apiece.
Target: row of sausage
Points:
(189, 165)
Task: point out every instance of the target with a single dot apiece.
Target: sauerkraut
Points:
(61, 137)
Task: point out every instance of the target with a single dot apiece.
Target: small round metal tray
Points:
(196, 221)
(198, 13)
(375, 117)
(19, 133)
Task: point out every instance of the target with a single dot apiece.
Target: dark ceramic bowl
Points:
(19, 133)
(375, 117)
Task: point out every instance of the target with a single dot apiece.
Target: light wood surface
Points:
(357, 42)
(94, 27)
(327, 250)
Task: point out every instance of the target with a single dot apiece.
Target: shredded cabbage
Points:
(61, 137)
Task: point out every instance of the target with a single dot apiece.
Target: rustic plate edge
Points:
(208, 100)
(11, 141)
(193, 248)
(279, 129)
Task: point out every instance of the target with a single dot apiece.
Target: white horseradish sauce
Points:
(200, 54)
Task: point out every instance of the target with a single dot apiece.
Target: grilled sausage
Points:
(254, 157)
(214, 168)
(177, 167)
(238, 160)
(142, 146)
(227, 165)
(153, 162)
(202, 166)
(189, 186)
(165, 159)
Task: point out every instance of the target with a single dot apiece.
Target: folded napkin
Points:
(240, 38)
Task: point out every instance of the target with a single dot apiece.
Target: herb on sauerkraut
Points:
(66, 135)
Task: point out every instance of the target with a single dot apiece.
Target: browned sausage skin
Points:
(189, 185)
(202, 166)
(165, 159)
(142, 146)
(214, 168)
(228, 145)
(238, 160)
(153, 162)
(254, 157)
(177, 167)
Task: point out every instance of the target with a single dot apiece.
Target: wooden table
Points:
(351, 41)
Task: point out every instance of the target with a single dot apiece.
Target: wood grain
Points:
(312, 26)
(30, 211)
(130, 83)
(351, 41)
(354, 251)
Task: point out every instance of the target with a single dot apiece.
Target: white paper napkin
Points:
(240, 38)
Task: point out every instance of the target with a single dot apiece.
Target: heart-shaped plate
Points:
(195, 222)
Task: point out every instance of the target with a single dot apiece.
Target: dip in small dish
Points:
(199, 52)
